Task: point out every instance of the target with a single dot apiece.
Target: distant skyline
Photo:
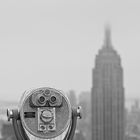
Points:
(54, 43)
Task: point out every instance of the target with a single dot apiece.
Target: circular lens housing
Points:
(53, 99)
(41, 99)
(47, 92)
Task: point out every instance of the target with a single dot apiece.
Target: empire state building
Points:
(107, 94)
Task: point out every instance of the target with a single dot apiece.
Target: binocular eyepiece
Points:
(46, 98)
(44, 113)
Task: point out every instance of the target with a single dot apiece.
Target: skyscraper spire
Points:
(107, 40)
(107, 94)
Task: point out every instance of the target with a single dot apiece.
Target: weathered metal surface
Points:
(61, 117)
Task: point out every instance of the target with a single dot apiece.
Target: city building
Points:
(107, 94)
(6, 126)
(133, 120)
(84, 125)
(72, 97)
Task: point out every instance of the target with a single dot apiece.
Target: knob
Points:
(46, 116)
(79, 114)
(9, 114)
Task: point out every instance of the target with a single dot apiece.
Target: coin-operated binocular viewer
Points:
(44, 114)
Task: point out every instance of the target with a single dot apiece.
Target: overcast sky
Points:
(54, 42)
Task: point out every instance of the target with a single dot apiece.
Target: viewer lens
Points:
(53, 99)
(41, 99)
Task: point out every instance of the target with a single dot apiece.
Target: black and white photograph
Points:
(70, 70)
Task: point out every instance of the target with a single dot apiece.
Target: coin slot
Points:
(29, 114)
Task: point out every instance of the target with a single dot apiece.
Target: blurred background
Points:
(56, 44)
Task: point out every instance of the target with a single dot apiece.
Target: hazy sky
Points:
(54, 42)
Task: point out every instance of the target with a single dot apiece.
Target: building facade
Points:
(72, 97)
(107, 94)
(84, 125)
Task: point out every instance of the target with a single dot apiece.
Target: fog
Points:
(54, 43)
